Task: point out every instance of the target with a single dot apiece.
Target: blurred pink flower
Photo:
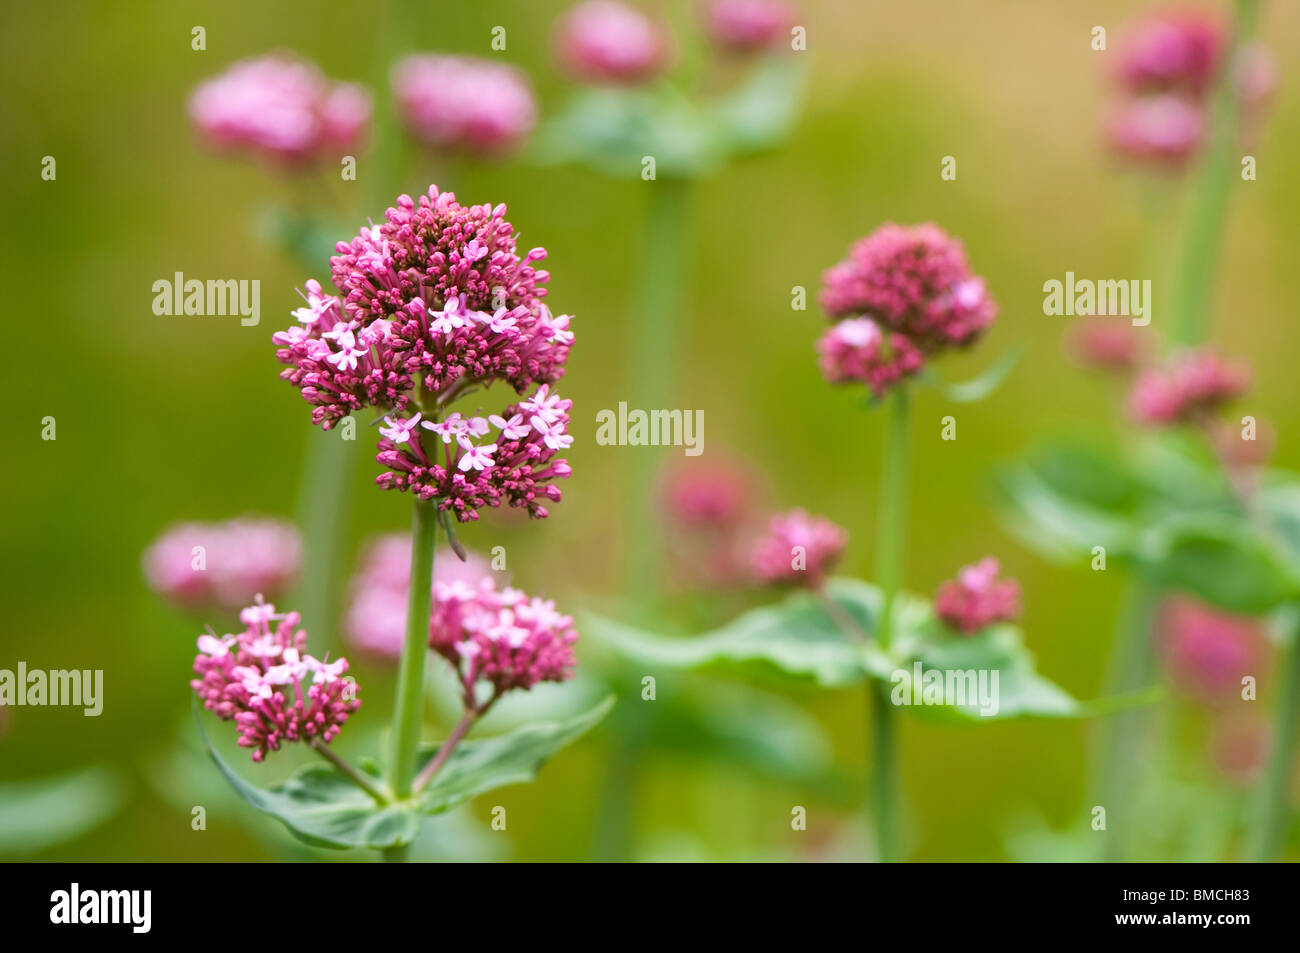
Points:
(1208, 652)
(798, 550)
(746, 26)
(1239, 748)
(1187, 388)
(375, 620)
(707, 495)
(280, 108)
(1106, 344)
(464, 104)
(264, 680)
(977, 598)
(1179, 50)
(857, 350)
(915, 281)
(1166, 128)
(604, 41)
(223, 565)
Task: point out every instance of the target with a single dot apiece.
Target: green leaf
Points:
(515, 758)
(321, 807)
(795, 638)
(1223, 561)
(1060, 524)
(980, 386)
(760, 112)
(38, 814)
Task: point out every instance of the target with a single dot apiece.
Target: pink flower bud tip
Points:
(977, 598)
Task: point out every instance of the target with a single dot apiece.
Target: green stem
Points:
(1268, 840)
(323, 518)
(654, 352)
(1124, 760)
(408, 710)
(396, 855)
(349, 772)
(891, 521)
(1194, 282)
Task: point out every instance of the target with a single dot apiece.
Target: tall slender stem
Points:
(654, 351)
(444, 752)
(1268, 839)
(891, 522)
(409, 706)
(1194, 279)
(323, 517)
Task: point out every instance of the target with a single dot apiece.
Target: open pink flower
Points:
(464, 104)
(977, 598)
(280, 108)
(275, 692)
(1186, 389)
(604, 41)
(857, 350)
(798, 550)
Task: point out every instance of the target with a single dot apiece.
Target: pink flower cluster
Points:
(1166, 71)
(375, 621)
(706, 507)
(435, 301)
(265, 681)
(280, 108)
(798, 550)
(1207, 652)
(747, 26)
(977, 598)
(464, 104)
(1187, 389)
(903, 293)
(604, 41)
(1107, 344)
(223, 565)
(500, 637)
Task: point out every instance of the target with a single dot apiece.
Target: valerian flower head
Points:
(464, 104)
(280, 108)
(604, 41)
(798, 550)
(223, 565)
(264, 680)
(1107, 344)
(1172, 51)
(857, 350)
(747, 26)
(1166, 128)
(500, 638)
(1205, 651)
(432, 303)
(977, 598)
(914, 281)
(1187, 389)
(375, 621)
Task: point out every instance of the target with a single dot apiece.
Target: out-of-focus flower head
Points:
(1173, 51)
(264, 680)
(700, 495)
(1107, 344)
(1207, 652)
(1187, 389)
(857, 350)
(280, 108)
(432, 303)
(1239, 748)
(798, 550)
(1166, 128)
(604, 41)
(747, 26)
(375, 621)
(500, 638)
(464, 104)
(914, 281)
(223, 565)
(977, 598)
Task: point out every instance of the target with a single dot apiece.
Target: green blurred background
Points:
(162, 419)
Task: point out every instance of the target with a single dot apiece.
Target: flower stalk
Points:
(409, 705)
(1268, 840)
(891, 525)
